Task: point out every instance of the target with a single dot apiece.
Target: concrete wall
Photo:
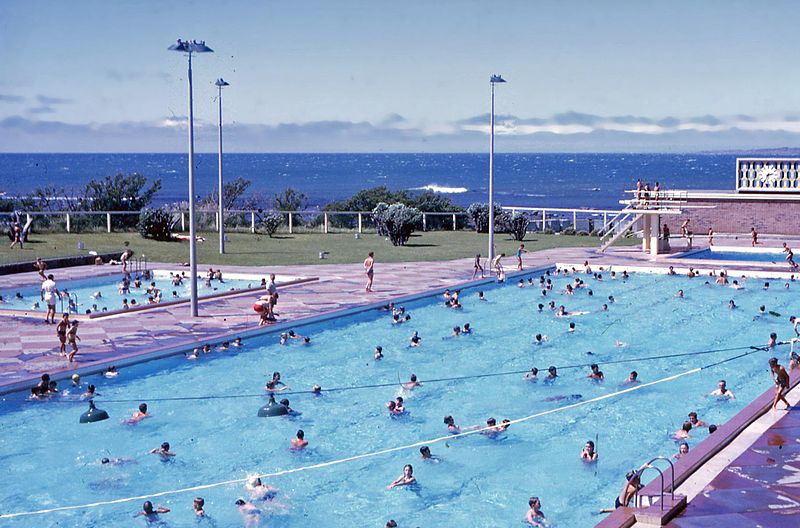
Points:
(738, 216)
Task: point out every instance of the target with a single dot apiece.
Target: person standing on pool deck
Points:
(789, 255)
(498, 267)
(61, 332)
(72, 337)
(477, 267)
(520, 250)
(40, 266)
(781, 378)
(710, 237)
(49, 294)
(123, 259)
(369, 267)
(753, 237)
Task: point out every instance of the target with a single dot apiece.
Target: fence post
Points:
(216, 221)
(454, 222)
(544, 219)
(605, 220)
(325, 226)
(359, 223)
(68, 226)
(291, 224)
(575, 220)
(424, 222)
(108, 221)
(183, 222)
(253, 222)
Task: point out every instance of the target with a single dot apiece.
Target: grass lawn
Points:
(249, 249)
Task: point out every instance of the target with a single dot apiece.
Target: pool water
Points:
(49, 459)
(708, 254)
(108, 286)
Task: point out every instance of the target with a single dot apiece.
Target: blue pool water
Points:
(110, 298)
(49, 459)
(738, 256)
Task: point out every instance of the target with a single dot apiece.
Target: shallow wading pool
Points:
(51, 460)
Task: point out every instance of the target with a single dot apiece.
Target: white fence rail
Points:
(541, 218)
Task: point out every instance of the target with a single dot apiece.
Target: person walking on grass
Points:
(72, 338)
(369, 267)
(16, 235)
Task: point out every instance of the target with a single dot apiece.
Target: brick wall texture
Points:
(738, 216)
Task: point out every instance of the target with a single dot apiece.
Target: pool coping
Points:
(144, 307)
(694, 461)
(159, 353)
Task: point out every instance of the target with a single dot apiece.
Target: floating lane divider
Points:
(373, 453)
(434, 380)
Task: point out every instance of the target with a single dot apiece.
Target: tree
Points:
(290, 200)
(270, 223)
(518, 225)
(155, 224)
(122, 192)
(479, 214)
(232, 193)
(398, 221)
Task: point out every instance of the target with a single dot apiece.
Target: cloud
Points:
(564, 132)
(11, 98)
(46, 100)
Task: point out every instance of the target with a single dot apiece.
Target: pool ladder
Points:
(637, 499)
(140, 264)
(72, 303)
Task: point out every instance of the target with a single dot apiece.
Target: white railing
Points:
(770, 175)
(541, 218)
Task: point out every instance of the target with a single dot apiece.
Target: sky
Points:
(355, 76)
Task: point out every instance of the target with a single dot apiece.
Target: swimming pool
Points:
(51, 460)
(85, 291)
(739, 254)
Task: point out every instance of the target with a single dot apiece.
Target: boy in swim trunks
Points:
(781, 378)
(520, 250)
(369, 267)
(72, 337)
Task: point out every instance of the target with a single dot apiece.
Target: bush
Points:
(155, 224)
(479, 214)
(121, 192)
(549, 231)
(570, 231)
(270, 223)
(583, 233)
(378, 216)
(518, 225)
(397, 220)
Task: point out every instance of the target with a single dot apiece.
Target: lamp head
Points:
(222, 82)
(496, 79)
(193, 46)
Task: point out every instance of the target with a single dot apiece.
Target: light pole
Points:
(494, 79)
(220, 83)
(188, 47)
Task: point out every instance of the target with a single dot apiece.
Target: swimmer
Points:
(452, 428)
(250, 513)
(259, 490)
(682, 450)
(679, 295)
(275, 384)
(722, 279)
(521, 284)
(535, 515)
(596, 374)
(378, 353)
(299, 441)
(571, 327)
(671, 271)
(588, 454)
(223, 346)
(540, 307)
(316, 390)
(586, 268)
(206, 349)
(492, 429)
(562, 312)
(415, 340)
(481, 296)
(425, 454)
(695, 421)
(291, 411)
(532, 375)
(412, 383)
(398, 404)
(781, 378)
(683, 432)
(237, 342)
(111, 372)
(406, 479)
(633, 484)
(552, 374)
(731, 305)
(551, 306)
(197, 505)
(393, 410)
(194, 354)
(90, 392)
(773, 340)
(467, 330)
(284, 338)
(150, 513)
(163, 451)
(539, 339)
(722, 391)
(633, 379)
(138, 415)
(625, 275)
(611, 299)
(736, 286)
(456, 331)
(605, 307)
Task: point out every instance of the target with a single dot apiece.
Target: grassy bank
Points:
(249, 249)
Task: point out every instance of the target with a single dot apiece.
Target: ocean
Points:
(547, 180)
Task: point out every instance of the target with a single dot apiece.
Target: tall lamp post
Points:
(188, 47)
(220, 83)
(494, 79)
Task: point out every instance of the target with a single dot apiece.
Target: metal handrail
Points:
(637, 501)
(649, 465)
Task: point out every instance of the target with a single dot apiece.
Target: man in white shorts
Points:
(49, 296)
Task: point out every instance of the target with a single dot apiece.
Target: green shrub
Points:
(155, 224)
(549, 231)
(270, 223)
(479, 214)
(518, 225)
(570, 231)
(398, 221)
(583, 233)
